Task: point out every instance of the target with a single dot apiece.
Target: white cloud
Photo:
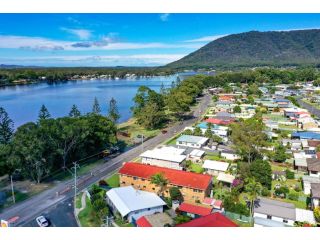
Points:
(82, 34)
(164, 17)
(206, 38)
(106, 43)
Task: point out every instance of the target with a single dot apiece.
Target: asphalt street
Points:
(48, 202)
(309, 107)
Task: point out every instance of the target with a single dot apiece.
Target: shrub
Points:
(297, 188)
(282, 191)
(103, 183)
(316, 212)
(293, 196)
(265, 192)
(289, 174)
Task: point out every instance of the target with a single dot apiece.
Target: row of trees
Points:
(152, 109)
(8, 76)
(37, 149)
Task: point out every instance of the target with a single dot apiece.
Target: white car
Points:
(42, 221)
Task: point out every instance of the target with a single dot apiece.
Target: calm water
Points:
(23, 102)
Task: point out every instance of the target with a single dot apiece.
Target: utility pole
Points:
(142, 141)
(12, 190)
(75, 167)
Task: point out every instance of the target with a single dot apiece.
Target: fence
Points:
(238, 218)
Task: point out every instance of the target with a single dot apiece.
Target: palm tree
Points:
(159, 180)
(253, 189)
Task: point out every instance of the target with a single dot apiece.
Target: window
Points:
(144, 186)
(132, 184)
(123, 182)
(149, 209)
(285, 221)
(153, 188)
(135, 178)
(269, 217)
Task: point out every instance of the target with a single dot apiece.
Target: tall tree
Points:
(248, 137)
(253, 188)
(262, 172)
(43, 113)
(96, 106)
(74, 112)
(113, 112)
(6, 127)
(159, 180)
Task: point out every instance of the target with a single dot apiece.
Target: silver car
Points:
(42, 221)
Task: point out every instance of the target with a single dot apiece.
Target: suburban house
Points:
(155, 220)
(212, 220)
(313, 165)
(307, 181)
(193, 186)
(226, 179)
(215, 167)
(306, 135)
(315, 194)
(269, 212)
(192, 141)
(295, 144)
(194, 211)
(132, 204)
(229, 154)
(216, 204)
(218, 121)
(196, 155)
(169, 157)
(300, 161)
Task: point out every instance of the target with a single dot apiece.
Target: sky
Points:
(126, 39)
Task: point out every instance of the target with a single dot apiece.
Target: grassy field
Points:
(133, 130)
(172, 141)
(87, 217)
(121, 223)
(113, 181)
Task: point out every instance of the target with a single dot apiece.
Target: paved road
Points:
(309, 107)
(47, 200)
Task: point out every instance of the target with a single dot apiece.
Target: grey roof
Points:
(313, 164)
(275, 208)
(192, 139)
(127, 199)
(307, 178)
(315, 190)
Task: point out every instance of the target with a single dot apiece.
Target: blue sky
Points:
(125, 39)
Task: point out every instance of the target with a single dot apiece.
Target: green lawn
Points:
(121, 223)
(172, 141)
(113, 181)
(133, 129)
(196, 168)
(87, 217)
(78, 201)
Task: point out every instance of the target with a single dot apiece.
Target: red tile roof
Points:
(175, 177)
(211, 220)
(194, 209)
(219, 121)
(143, 222)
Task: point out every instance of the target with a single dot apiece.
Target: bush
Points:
(289, 174)
(293, 196)
(281, 192)
(316, 212)
(297, 188)
(175, 194)
(103, 183)
(265, 192)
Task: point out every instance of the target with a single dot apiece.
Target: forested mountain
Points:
(274, 48)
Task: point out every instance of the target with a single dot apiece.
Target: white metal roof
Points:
(215, 165)
(127, 199)
(223, 177)
(303, 215)
(166, 154)
(197, 153)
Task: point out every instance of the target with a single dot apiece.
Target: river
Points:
(23, 102)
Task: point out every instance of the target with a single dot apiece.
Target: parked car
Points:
(42, 221)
